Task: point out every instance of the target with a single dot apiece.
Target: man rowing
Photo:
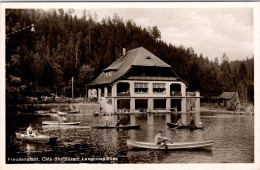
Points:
(159, 139)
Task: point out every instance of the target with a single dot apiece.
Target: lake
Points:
(233, 137)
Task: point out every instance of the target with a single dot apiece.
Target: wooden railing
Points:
(123, 94)
(176, 93)
(190, 94)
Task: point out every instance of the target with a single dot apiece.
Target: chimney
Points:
(124, 51)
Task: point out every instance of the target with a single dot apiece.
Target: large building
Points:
(139, 81)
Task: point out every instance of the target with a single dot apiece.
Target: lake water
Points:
(233, 137)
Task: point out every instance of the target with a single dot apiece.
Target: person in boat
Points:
(179, 122)
(118, 123)
(29, 131)
(148, 110)
(192, 123)
(159, 139)
(63, 119)
(107, 123)
(200, 124)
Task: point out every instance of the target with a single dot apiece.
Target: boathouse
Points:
(229, 99)
(139, 81)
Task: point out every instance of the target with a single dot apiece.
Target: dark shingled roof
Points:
(227, 95)
(136, 57)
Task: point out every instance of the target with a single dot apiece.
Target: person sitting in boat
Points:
(30, 132)
(107, 123)
(179, 122)
(192, 121)
(148, 110)
(118, 123)
(63, 119)
(200, 124)
(159, 139)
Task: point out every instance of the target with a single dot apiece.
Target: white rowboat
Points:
(170, 146)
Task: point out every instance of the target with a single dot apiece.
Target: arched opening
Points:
(109, 90)
(123, 89)
(175, 90)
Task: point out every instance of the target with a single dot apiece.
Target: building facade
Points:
(230, 99)
(140, 81)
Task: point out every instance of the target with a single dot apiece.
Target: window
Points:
(141, 87)
(159, 88)
(108, 74)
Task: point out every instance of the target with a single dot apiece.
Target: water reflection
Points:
(233, 136)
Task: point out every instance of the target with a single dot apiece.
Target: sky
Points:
(210, 31)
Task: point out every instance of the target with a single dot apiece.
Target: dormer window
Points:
(108, 74)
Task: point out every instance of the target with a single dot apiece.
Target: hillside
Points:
(43, 57)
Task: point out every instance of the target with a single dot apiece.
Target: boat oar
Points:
(177, 127)
(158, 148)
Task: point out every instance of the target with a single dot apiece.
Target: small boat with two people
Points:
(38, 138)
(180, 126)
(118, 127)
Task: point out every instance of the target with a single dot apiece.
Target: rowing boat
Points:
(118, 127)
(174, 125)
(61, 113)
(95, 113)
(73, 112)
(59, 123)
(37, 139)
(170, 146)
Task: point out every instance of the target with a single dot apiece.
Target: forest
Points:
(46, 48)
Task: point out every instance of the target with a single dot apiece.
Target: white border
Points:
(81, 5)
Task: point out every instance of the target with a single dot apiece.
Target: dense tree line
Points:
(42, 58)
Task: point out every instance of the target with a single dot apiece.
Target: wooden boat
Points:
(59, 123)
(95, 113)
(61, 113)
(170, 146)
(37, 139)
(53, 110)
(118, 127)
(73, 112)
(174, 125)
(41, 112)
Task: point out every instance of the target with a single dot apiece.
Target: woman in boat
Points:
(192, 121)
(30, 132)
(158, 139)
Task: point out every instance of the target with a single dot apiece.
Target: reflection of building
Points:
(229, 99)
(139, 80)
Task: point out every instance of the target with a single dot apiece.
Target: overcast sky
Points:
(210, 31)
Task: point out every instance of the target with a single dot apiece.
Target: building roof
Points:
(227, 95)
(136, 57)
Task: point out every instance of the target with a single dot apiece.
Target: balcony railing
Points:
(102, 94)
(190, 94)
(123, 94)
(109, 94)
(176, 93)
